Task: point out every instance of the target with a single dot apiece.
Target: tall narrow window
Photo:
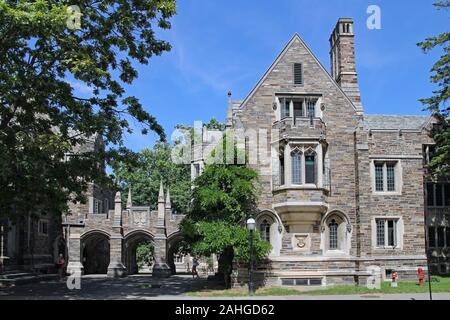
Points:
(431, 237)
(391, 227)
(333, 227)
(447, 194)
(298, 110)
(298, 74)
(439, 199)
(264, 229)
(310, 109)
(447, 236)
(430, 194)
(390, 170)
(285, 108)
(379, 177)
(441, 237)
(282, 170)
(296, 167)
(310, 167)
(380, 233)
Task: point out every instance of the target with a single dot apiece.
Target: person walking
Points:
(60, 264)
(195, 264)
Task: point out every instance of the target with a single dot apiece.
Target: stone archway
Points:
(173, 240)
(95, 253)
(131, 242)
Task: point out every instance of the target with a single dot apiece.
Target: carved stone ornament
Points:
(301, 241)
(140, 218)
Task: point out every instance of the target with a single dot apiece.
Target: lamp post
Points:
(251, 226)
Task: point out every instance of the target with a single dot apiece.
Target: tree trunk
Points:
(225, 267)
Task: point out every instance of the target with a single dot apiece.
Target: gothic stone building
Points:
(97, 237)
(342, 191)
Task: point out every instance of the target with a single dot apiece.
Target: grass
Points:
(438, 284)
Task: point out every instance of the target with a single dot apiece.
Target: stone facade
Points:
(99, 236)
(344, 195)
(342, 191)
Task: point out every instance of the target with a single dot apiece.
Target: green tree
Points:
(438, 103)
(144, 254)
(146, 172)
(42, 117)
(224, 196)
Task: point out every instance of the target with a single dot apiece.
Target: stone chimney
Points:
(343, 67)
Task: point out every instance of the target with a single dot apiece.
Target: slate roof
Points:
(384, 121)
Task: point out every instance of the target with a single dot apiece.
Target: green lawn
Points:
(438, 284)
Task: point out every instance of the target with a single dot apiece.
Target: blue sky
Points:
(221, 45)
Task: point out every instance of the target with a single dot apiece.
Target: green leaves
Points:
(144, 254)
(42, 114)
(145, 173)
(223, 197)
(217, 236)
(438, 103)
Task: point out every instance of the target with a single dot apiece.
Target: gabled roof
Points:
(395, 122)
(280, 56)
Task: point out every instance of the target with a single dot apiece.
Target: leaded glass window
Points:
(380, 233)
(390, 170)
(296, 167)
(264, 229)
(310, 167)
(285, 108)
(311, 109)
(333, 231)
(281, 170)
(379, 177)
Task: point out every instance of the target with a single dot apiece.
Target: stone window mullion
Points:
(303, 167)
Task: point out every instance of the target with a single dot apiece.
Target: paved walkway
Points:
(101, 287)
(145, 287)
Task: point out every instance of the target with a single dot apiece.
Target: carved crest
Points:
(140, 218)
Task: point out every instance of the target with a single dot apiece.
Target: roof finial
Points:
(229, 111)
(129, 202)
(161, 192)
(168, 202)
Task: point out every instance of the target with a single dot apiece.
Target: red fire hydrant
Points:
(421, 275)
(394, 279)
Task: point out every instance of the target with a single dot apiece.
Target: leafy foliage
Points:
(144, 254)
(42, 117)
(217, 236)
(144, 176)
(438, 103)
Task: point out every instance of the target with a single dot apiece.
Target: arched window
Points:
(264, 229)
(296, 166)
(310, 167)
(333, 232)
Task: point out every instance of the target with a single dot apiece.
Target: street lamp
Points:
(251, 226)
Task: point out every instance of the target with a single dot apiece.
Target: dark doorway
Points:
(95, 254)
